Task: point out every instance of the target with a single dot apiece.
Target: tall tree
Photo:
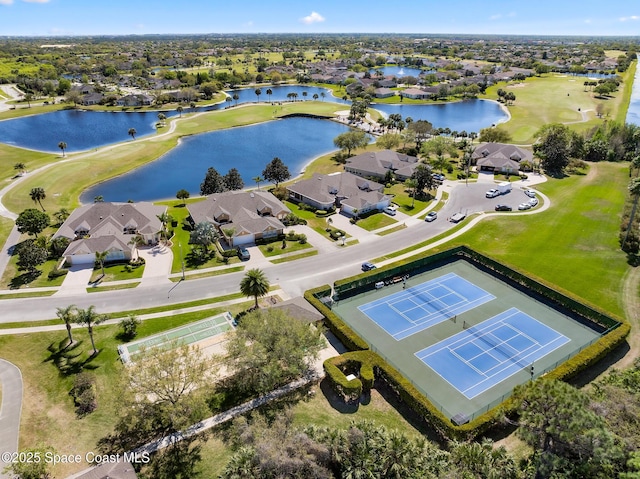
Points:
(424, 177)
(422, 130)
(63, 146)
(269, 348)
(236, 97)
(258, 179)
(269, 93)
(412, 184)
(182, 194)
(634, 190)
(137, 241)
(276, 171)
(258, 92)
(233, 180)
(132, 133)
(351, 140)
(180, 110)
(204, 234)
(32, 221)
(37, 195)
(21, 167)
(255, 284)
(30, 255)
(213, 183)
(553, 147)
(68, 316)
(90, 318)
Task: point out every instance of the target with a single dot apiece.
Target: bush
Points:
(269, 249)
(57, 272)
(84, 393)
(302, 239)
(321, 213)
(129, 327)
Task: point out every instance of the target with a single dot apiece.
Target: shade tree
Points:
(32, 221)
(276, 171)
(213, 183)
(351, 140)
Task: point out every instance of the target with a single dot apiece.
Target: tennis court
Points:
(192, 333)
(486, 354)
(419, 307)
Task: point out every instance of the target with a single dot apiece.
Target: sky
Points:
(125, 17)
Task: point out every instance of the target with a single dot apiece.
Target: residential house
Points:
(135, 100)
(353, 194)
(415, 93)
(251, 215)
(92, 99)
(500, 157)
(110, 470)
(110, 227)
(378, 164)
(383, 93)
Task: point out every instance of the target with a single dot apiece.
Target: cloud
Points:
(6, 2)
(36, 1)
(249, 23)
(632, 18)
(315, 17)
(498, 16)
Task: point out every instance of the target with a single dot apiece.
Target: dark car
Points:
(243, 253)
(368, 266)
(503, 208)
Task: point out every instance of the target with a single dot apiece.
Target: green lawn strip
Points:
(208, 274)
(48, 412)
(26, 294)
(404, 201)
(114, 287)
(275, 248)
(294, 257)
(375, 221)
(439, 206)
(554, 98)
(392, 230)
(116, 272)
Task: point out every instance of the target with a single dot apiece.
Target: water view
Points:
(633, 113)
(296, 141)
(397, 71)
(471, 115)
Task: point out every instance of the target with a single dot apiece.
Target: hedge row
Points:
(336, 325)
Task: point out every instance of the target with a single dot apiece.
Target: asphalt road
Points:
(11, 380)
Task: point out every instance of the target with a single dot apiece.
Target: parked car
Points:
(438, 177)
(367, 266)
(503, 208)
(390, 211)
(431, 216)
(243, 253)
(533, 202)
(492, 193)
(530, 193)
(524, 206)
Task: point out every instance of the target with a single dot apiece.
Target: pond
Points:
(397, 71)
(79, 129)
(633, 113)
(471, 115)
(279, 93)
(296, 141)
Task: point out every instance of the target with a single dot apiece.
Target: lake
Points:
(397, 71)
(296, 141)
(633, 113)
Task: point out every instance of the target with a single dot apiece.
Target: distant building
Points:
(377, 164)
(500, 157)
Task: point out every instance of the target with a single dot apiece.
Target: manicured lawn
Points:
(392, 230)
(375, 221)
(555, 98)
(10, 156)
(208, 274)
(404, 201)
(116, 272)
(294, 257)
(275, 249)
(114, 287)
(14, 279)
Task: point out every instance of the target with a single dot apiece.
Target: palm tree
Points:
(315, 96)
(37, 195)
(294, 95)
(412, 184)
(269, 93)
(236, 97)
(100, 257)
(258, 179)
(62, 145)
(304, 94)
(255, 284)
(179, 110)
(68, 315)
(137, 241)
(323, 94)
(228, 100)
(258, 92)
(132, 132)
(634, 190)
(89, 318)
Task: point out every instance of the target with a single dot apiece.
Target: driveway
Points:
(158, 260)
(11, 380)
(76, 280)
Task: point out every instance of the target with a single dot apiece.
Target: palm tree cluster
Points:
(84, 317)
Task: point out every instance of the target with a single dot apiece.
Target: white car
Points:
(390, 211)
(524, 206)
(530, 193)
(533, 202)
(492, 193)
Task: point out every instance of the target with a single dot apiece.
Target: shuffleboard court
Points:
(188, 334)
(419, 307)
(484, 355)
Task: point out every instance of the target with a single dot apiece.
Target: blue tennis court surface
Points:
(417, 308)
(480, 357)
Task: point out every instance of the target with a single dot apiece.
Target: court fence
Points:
(612, 333)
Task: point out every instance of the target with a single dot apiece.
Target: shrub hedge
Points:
(369, 366)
